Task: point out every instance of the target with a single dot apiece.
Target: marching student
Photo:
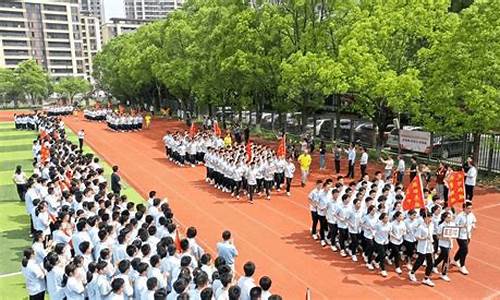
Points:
(289, 171)
(466, 221)
(398, 230)
(381, 239)
(354, 221)
(445, 245)
(424, 249)
(321, 206)
(269, 170)
(341, 215)
(368, 224)
(251, 179)
(313, 203)
(410, 241)
(305, 163)
(331, 219)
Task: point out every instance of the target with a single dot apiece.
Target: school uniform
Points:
(341, 216)
(288, 174)
(251, 177)
(354, 217)
(445, 245)
(381, 239)
(466, 223)
(74, 289)
(313, 202)
(54, 283)
(425, 248)
(324, 197)
(34, 279)
(398, 230)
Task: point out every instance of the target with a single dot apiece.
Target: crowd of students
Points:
(233, 168)
(126, 122)
(90, 242)
(365, 219)
(96, 114)
(26, 121)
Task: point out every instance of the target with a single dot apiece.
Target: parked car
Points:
(325, 131)
(365, 133)
(442, 146)
(310, 125)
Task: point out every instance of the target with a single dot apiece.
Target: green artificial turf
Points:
(15, 149)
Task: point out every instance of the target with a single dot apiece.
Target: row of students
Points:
(91, 243)
(96, 114)
(55, 111)
(26, 121)
(352, 221)
(185, 150)
(125, 122)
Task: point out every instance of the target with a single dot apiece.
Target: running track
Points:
(275, 234)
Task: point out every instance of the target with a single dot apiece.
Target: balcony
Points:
(14, 43)
(15, 52)
(8, 33)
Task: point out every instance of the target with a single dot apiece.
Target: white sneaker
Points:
(409, 266)
(388, 261)
(278, 190)
(334, 249)
(238, 197)
(435, 270)
(428, 282)
(383, 273)
(424, 264)
(342, 253)
(315, 236)
(464, 270)
(323, 244)
(268, 197)
(370, 267)
(354, 258)
(288, 194)
(456, 263)
(412, 277)
(376, 265)
(192, 166)
(445, 278)
(349, 252)
(398, 270)
(365, 258)
(328, 241)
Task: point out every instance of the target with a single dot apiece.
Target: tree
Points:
(32, 80)
(9, 87)
(380, 56)
(69, 87)
(462, 74)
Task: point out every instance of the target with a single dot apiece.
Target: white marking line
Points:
(10, 274)
(487, 207)
(495, 295)
(487, 217)
(484, 262)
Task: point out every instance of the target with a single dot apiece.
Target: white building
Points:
(118, 26)
(150, 9)
(93, 8)
(92, 42)
(47, 30)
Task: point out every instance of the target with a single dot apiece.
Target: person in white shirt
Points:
(470, 180)
(351, 157)
(381, 238)
(341, 215)
(445, 245)
(289, 171)
(354, 216)
(226, 249)
(324, 197)
(34, 275)
(41, 220)
(117, 290)
(400, 169)
(124, 269)
(246, 282)
(331, 219)
(368, 224)
(410, 242)
(466, 222)
(389, 165)
(251, 177)
(149, 293)
(424, 249)
(81, 137)
(313, 203)
(55, 273)
(73, 286)
(20, 179)
(265, 284)
(398, 230)
(140, 285)
(103, 286)
(363, 161)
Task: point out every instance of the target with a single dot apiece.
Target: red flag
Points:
(177, 240)
(249, 150)
(281, 151)
(456, 186)
(414, 197)
(217, 130)
(193, 130)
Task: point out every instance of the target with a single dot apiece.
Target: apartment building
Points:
(92, 42)
(48, 31)
(118, 26)
(93, 8)
(150, 9)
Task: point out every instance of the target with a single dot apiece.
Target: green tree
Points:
(69, 87)
(32, 80)
(9, 87)
(462, 74)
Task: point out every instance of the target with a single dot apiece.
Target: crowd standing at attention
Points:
(91, 242)
(234, 168)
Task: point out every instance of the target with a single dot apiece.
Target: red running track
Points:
(275, 234)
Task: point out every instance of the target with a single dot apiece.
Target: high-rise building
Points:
(48, 31)
(92, 42)
(150, 9)
(93, 8)
(118, 26)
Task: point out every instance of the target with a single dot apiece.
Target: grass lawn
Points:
(15, 149)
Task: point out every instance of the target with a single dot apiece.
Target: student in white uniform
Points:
(341, 215)
(410, 242)
(368, 225)
(289, 171)
(398, 230)
(73, 286)
(381, 238)
(424, 249)
(313, 203)
(55, 273)
(354, 222)
(445, 245)
(466, 221)
(324, 196)
(34, 275)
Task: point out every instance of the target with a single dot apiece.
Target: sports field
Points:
(15, 149)
(274, 234)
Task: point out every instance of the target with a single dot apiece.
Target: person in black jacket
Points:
(116, 184)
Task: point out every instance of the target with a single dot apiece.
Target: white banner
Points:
(417, 141)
